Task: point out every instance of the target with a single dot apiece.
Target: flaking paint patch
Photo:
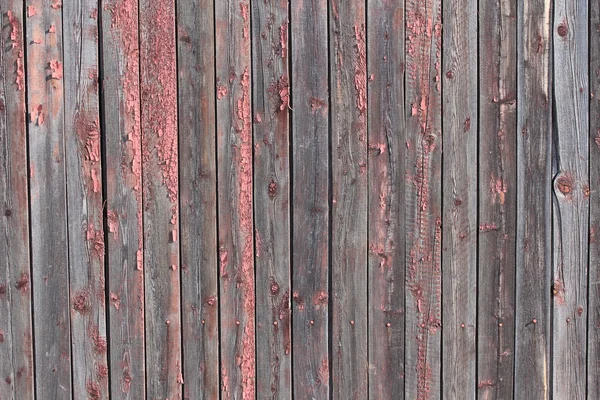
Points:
(360, 69)
(283, 39)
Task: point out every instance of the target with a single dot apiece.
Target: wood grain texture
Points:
(158, 89)
(84, 199)
(49, 245)
(386, 188)
(123, 172)
(497, 198)
(570, 199)
(235, 192)
(460, 228)
(271, 75)
(310, 199)
(534, 132)
(16, 352)
(198, 200)
(348, 71)
(423, 198)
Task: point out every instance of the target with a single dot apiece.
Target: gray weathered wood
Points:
(460, 228)
(310, 199)
(84, 199)
(534, 132)
(270, 52)
(16, 353)
(423, 198)
(570, 200)
(386, 179)
(158, 89)
(348, 71)
(198, 200)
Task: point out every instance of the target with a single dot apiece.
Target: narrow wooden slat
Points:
(270, 52)
(497, 198)
(84, 197)
(348, 70)
(235, 219)
(310, 199)
(16, 353)
(533, 281)
(570, 200)
(198, 198)
(386, 179)
(122, 139)
(160, 198)
(423, 198)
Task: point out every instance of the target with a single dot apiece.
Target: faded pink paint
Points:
(360, 70)
(31, 11)
(283, 39)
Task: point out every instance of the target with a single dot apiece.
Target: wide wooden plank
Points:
(158, 89)
(235, 219)
(198, 200)
(497, 198)
(270, 80)
(49, 247)
(534, 132)
(16, 353)
(84, 197)
(310, 199)
(348, 71)
(460, 229)
(123, 175)
(387, 185)
(423, 198)
(570, 200)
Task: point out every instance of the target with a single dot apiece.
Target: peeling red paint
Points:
(56, 69)
(115, 300)
(360, 69)
(488, 227)
(101, 372)
(31, 11)
(283, 39)
(281, 88)
(52, 29)
(113, 222)
(81, 301)
(223, 255)
(57, 4)
(93, 390)
(246, 16)
(221, 91)
(98, 341)
(96, 239)
(316, 104)
(23, 282)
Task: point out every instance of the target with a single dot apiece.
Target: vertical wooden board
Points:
(460, 131)
(16, 353)
(570, 200)
(49, 245)
(348, 71)
(270, 79)
(310, 199)
(123, 174)
(160, 197)
(386, 188)
(198, 200)
(235, 219)
(423, 198)
(533, 279)
(593, 351)
(84, 197)
(497, 198)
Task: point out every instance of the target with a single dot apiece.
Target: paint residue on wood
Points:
(283, 39)
(281, 88)
(360, 70)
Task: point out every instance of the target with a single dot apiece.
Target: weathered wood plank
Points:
(423, 198)
(310, 199)
(570, 199)
(386, 188)
(123, 174)
(198, 199)
(16, 353)
(533, 280)
(84, 197)
(270, 79)
(235, 219)
(49, 245)
(497, 198)
(460, 229)
(158, 77)
(348, 71)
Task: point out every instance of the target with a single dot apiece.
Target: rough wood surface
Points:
(270, 79)
(387, 185)
(198, 200)
(497, 198)
(534, 133)
(160, 179)
(310, 199)
(16, 351)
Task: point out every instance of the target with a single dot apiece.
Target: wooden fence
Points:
(317, 199)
